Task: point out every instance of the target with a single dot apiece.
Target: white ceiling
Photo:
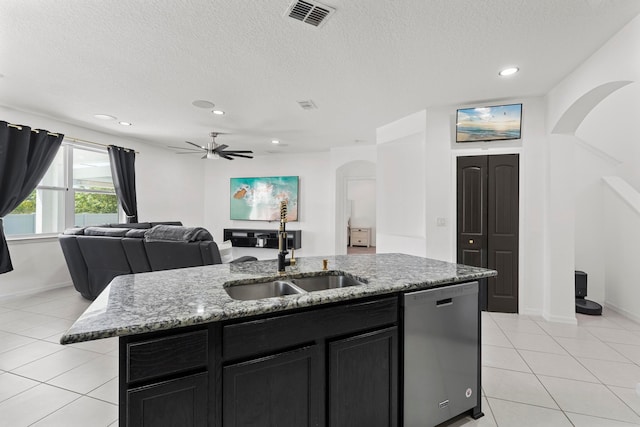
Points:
(372, 62)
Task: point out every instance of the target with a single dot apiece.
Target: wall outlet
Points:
(441, 222)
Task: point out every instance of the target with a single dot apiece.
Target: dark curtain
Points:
(123, 172)
(25, 156)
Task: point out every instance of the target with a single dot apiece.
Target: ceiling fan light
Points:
(218, 112)
(212, 156)
(508, 71)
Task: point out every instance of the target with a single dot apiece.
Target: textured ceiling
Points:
(372, 62)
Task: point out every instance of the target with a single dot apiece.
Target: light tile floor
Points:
(535, 373)
(538, 373)
(43, 383)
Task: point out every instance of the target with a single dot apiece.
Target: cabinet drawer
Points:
(263, 336)
(359, 235)
(166, 355)
(178, 402)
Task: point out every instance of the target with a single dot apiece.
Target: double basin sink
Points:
(289, 286)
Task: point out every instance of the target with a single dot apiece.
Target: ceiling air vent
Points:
(309, 12)
(308, 105)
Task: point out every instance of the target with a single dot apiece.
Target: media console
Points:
(253, 238)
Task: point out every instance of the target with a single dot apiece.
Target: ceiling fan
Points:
(213, 150)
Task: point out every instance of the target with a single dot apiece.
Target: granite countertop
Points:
(146, 302)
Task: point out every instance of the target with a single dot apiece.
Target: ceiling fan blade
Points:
(224, 156)
(220, 147)
(204, 157)
(184, 148)
(239, 155)
(188, 152)
(196, 145)
(239, 151)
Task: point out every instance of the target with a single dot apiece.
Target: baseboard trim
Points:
(622, 311)
(33, 291)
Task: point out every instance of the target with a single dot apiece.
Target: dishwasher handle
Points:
(444, 302)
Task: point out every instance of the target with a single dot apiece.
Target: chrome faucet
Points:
(282, 239)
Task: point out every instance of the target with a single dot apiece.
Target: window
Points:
(76, 190)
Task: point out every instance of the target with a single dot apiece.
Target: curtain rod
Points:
(70, 138)
(11, 125)
(73, 139)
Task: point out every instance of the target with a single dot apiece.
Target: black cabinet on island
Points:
(299, 354)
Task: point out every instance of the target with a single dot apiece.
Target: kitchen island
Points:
(192, 355)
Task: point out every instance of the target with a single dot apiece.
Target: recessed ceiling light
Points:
(508, 71)
(104, 117)
(125, 123)
(200, 103)
(218, 112)
(275, 141)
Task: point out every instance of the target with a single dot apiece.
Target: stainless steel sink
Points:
(291, 286)
(252, 291)
(320, 283)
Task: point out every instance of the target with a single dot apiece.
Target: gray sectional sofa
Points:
(95, 255)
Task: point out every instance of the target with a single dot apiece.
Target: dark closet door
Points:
(472, 210)
(503, 233)
(487, 222)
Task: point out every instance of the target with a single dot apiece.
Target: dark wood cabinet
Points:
(164, 379)
(280, 390)
(333, 365)
(179, 402)
(363, 380)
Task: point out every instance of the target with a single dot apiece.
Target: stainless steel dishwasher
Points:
(440, 354)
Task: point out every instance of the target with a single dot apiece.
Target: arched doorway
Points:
(355, 203)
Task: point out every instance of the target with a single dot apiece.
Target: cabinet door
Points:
(363, 380)
(180, 402)
(280, 390)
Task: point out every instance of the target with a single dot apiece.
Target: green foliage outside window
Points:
(28, 206)
(84, 203)
(96, 203)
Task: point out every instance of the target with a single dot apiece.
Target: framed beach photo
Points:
(496, 123)
(258, 198)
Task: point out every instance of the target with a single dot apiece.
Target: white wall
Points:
(169, 187)
(401, 186)
(604, 143)
(622, 234)
(314, 200)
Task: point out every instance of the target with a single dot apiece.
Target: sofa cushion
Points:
(136, 233)
(174, 233)
(75, 231)
(105, 231)
(153, 224)
(166, 255)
